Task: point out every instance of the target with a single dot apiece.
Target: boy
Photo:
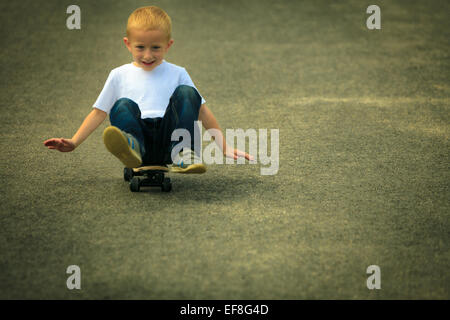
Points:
(146, 101)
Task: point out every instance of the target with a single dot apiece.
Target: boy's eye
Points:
(156, 48)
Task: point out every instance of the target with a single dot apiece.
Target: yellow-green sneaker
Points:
(188, 163)
(123, 145)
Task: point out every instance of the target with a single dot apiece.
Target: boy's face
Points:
(147, 47)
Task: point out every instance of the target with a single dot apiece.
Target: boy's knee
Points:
(187, 92)
(124, 105)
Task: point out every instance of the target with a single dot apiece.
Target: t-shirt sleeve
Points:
(108, 96)
(186, 80)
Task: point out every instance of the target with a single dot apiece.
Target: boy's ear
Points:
(127, 43)
(169, 44)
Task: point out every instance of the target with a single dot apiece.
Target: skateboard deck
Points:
(151, 168)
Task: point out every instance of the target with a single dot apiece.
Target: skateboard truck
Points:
(154, 177)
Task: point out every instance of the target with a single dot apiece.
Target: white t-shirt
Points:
(151, 90)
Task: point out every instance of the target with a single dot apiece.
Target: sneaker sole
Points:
(117, 144)
(193, 168)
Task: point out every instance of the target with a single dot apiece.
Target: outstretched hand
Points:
(236, 153)
(60, 144)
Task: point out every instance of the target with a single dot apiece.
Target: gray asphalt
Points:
(363, 119)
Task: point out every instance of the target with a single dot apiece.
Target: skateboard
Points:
(154, 177)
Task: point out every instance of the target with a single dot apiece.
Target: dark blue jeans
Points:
(154, 134)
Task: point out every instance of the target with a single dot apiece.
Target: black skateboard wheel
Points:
(127, 174)
(166, 185)
(135, 184)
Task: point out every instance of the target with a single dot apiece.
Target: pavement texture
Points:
(363, 179)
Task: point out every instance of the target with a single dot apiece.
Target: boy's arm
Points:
(209, 122)
(90, 123)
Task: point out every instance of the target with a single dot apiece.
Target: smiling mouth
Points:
(148, 64)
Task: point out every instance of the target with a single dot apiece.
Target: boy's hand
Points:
(236, 153)
(60, 144)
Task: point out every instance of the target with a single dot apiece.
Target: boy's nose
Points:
(148, 55)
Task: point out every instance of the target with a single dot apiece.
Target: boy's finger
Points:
(48, 142)
(244, 154)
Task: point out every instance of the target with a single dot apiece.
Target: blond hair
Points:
(150, 18)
